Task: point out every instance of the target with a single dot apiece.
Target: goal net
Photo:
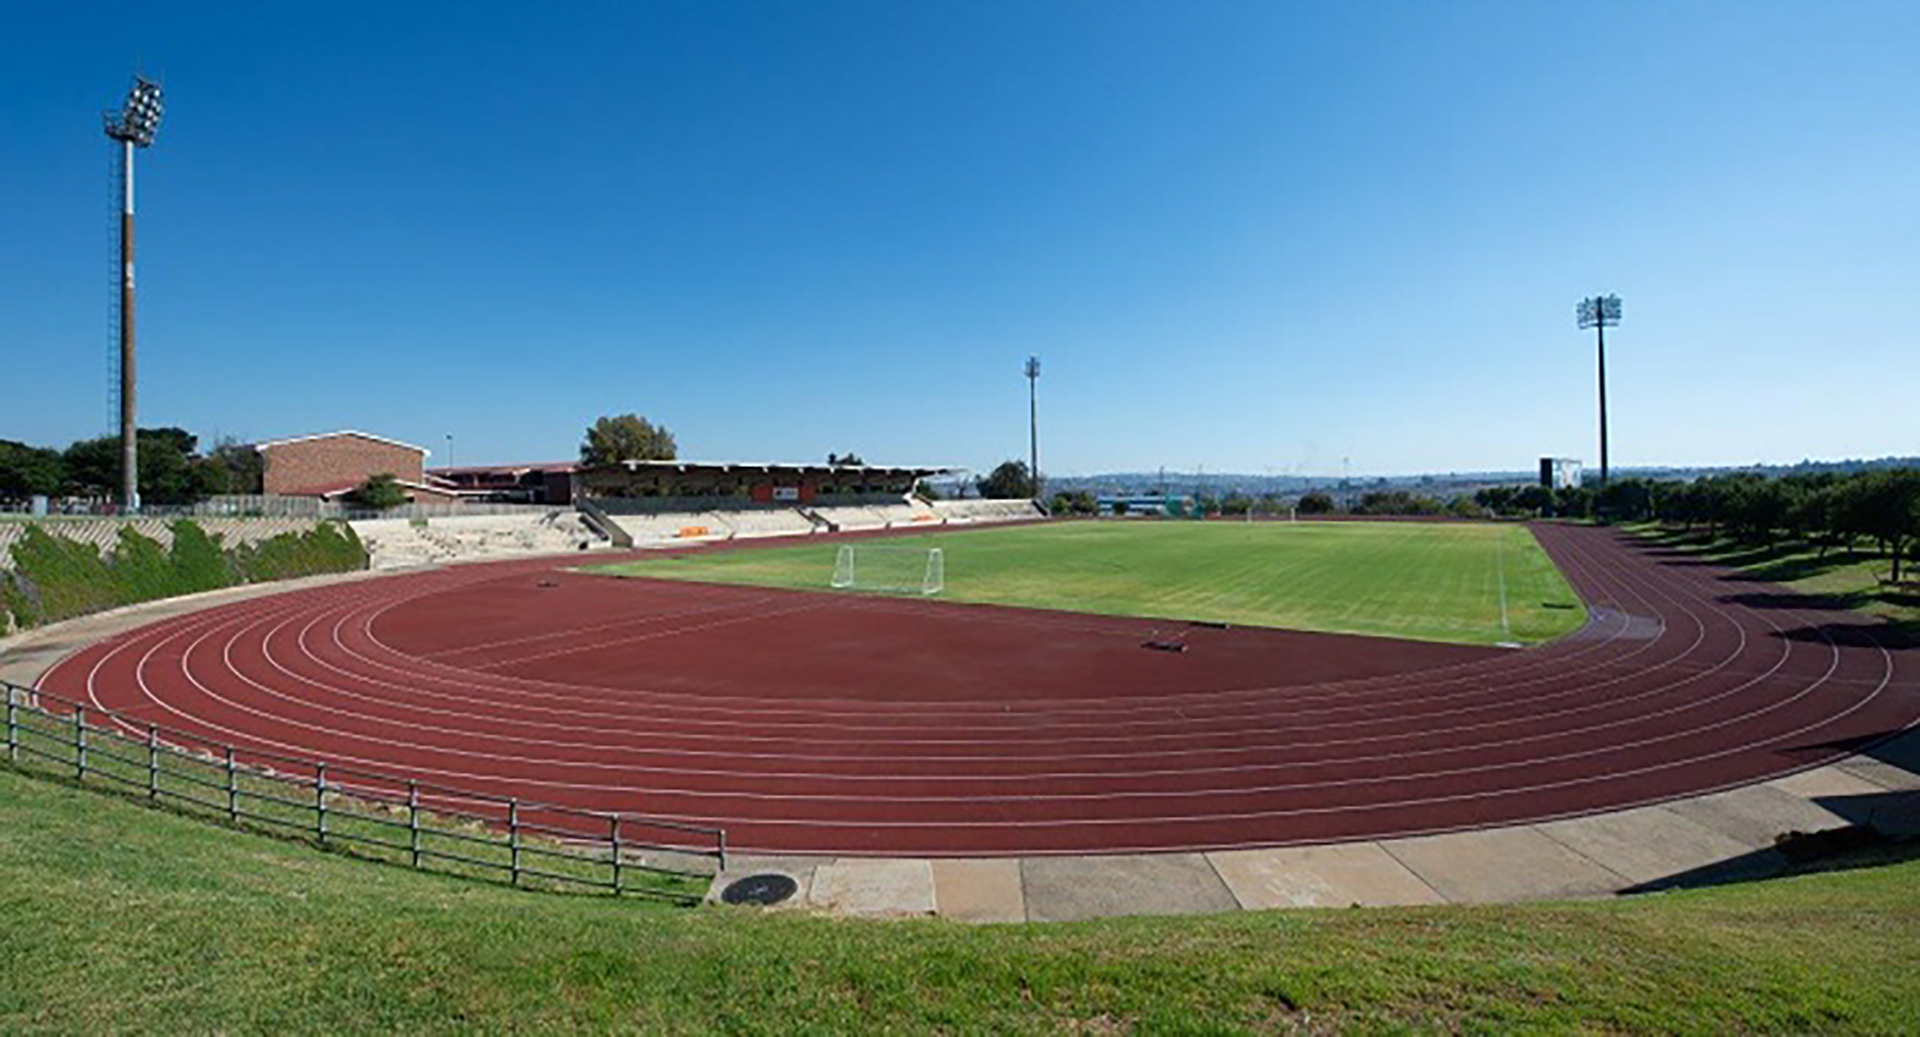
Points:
(889, 569)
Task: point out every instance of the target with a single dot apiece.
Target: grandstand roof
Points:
(769, 466)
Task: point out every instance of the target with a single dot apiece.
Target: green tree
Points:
(1009, 481)
(1315, 503)
(627, 437)
(26, 471)
(1885, 505)
(93, 466)
(379, 492)
(849, 458)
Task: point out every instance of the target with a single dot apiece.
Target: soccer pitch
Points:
(1429, 581)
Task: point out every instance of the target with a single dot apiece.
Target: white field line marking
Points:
(1500, 563)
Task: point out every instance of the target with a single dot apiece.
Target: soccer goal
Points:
(890, 569)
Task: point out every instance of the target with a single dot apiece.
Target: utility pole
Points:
(1599, 313)
(133, 127)
(1033, 423)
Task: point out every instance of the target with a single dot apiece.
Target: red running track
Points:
(822, 723)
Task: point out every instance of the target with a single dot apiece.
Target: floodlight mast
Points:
(1600, 312)
(132, 126)
(1033, 423)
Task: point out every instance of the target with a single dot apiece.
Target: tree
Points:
(230, 467)
(379, 492)
(1315, 503)
(627, 437)
(849, 458)
(926, 490)
(27, 471)
(1077, 502)
(1886, 507)
(1010, 481)
(93, 466)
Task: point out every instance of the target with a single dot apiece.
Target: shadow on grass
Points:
(1893, 637)
(1881, 827)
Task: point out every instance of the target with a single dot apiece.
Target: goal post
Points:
(889, 569)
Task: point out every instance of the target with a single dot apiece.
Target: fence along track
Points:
(365, 813)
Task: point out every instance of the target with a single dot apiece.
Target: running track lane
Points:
(822, 723)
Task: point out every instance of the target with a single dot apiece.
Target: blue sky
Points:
(1253, 236)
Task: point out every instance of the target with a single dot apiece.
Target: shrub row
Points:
(55, 578)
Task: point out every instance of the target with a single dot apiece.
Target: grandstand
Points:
(400, 542)
(658, 502)
(956, 511)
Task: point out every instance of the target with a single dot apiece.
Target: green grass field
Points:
(116, 917)
(1428, 581)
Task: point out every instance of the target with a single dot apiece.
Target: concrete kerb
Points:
(1596, 855)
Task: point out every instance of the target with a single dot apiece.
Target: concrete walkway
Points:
(1697, 841)
(1703, 840)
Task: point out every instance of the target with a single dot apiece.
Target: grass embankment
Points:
(1854, 580)
(1429, 581)
(114, 916)
(57, 578)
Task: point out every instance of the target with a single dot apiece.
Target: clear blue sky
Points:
(1250, 236)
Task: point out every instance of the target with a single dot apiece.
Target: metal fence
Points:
(398, 820)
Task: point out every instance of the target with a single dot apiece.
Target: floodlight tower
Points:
(1600, 313)
(1033, 423)
(133, 127)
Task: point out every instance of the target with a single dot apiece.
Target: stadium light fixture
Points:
(1033, 423)
(133, 126)
(1600, 312)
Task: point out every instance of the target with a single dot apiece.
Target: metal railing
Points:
(380, 816)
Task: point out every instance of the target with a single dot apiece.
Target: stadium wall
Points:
(55, 570)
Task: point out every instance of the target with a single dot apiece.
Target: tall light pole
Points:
(1033, 423)
(1600, 313)
(133, 127)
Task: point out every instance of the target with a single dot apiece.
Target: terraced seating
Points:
(768, 522)
(393, 543)
(988, 510)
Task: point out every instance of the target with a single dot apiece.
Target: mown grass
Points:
(375, 825)
(1428, 581)
(1853, 580)
(117, 917)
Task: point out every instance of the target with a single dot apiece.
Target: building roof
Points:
(507, 469)
(336, 489)
(423, 451)
(768, 467)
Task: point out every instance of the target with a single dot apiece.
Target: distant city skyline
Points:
(1249, 237)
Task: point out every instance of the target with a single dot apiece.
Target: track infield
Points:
(812, 722)
(1457, 582)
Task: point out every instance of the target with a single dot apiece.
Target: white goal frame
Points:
(889, 569)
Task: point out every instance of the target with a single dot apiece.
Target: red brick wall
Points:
(334, 460)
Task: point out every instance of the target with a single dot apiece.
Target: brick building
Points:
(331, 464)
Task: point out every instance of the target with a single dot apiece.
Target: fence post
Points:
(723, 849)
(320, 801)
(13, 729)
(153, 762)
(513, 837)
(79, 742)
(413, 819)
(233, 790)
(616, 855)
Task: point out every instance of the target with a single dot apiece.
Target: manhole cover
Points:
(759, 889)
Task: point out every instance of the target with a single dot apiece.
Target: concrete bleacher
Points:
(393, 543)
(768, 522)
(988, 510)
